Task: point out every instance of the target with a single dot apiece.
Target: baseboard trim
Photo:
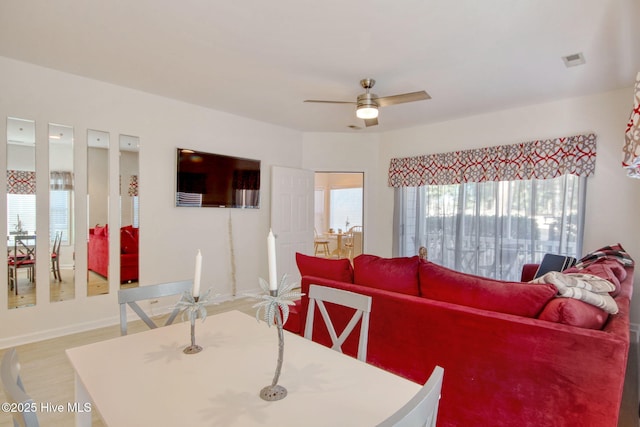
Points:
(153, 310)
(57, 332)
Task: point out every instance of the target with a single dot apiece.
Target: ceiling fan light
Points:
(367, 112)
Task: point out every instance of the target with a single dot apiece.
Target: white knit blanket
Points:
(591, 289)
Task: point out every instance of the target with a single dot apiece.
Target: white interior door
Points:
(291, 217)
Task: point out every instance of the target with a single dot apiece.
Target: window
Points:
(60, 215)
(136, 210)
(492, 228)
(338, 201)
(21, 213)
(490, 210)
(346, 208)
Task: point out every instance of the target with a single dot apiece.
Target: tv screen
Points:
(215, 180)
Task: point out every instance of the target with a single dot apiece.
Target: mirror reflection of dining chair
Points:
(318, 295)
(422, 409)
(14, 391)
(55, 256)
(21, 255)
(320, 245)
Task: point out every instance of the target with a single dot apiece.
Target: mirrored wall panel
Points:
(21, 212)
(61, 213)
(129, 210)
(98, 212)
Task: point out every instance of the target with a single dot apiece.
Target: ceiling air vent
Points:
(573, 60)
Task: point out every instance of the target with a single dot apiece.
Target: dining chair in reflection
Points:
(422, 409)
(55, 256)
(21, 255)
(318, 295)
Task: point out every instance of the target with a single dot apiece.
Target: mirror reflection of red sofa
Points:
(98, 261)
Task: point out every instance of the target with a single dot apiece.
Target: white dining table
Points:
(145, 379)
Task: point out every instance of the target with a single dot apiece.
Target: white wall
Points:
(349, 152)
(169, 236)
(613, 200)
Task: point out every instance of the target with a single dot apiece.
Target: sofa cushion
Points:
(128, 242)
(606, 268)
(443, 284)
(391, 274)
(100, 230)
(574, 312)
(333, 269)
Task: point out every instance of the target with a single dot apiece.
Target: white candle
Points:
(196, 278)
(271, 253)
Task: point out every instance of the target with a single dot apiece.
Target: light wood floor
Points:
(60, 290)
(48, 375)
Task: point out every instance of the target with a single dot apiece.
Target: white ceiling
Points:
(260, 59)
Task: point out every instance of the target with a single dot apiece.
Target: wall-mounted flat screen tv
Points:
(215, 180)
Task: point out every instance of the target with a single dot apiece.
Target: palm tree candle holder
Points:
(192, 307)
(276, 312)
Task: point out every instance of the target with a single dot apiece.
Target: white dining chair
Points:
(25, 413)
(318, 295)
(131, 296)
(422, 409)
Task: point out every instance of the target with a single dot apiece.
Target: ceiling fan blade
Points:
(328, 102)
(400, 99)
(371, 122)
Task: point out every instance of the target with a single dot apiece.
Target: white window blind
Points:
(21, 207)
(60, 215)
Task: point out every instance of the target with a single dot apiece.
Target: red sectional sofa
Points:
(514, 354)
(98, 261)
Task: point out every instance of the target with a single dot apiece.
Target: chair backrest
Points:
(56, 243)
(25, 416)
(356, 229)
(130, 296)
(25, 245)
(360, 303)
(422, 409)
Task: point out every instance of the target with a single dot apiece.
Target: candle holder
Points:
(192, 307)
(276, 312)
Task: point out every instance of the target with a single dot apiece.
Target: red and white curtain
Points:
(21, 182)
(631, 149)
(61, 180)
(540, 159)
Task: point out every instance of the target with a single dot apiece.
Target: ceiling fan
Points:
(368, 103)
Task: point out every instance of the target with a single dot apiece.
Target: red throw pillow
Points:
(570, 311)
(391, 274)
(333, 269)
(99, 231)
(443, 284)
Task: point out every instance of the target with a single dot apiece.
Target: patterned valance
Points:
(631, 148)
(21, 182)
(541, 159)
(133, 186)
(61, 180)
